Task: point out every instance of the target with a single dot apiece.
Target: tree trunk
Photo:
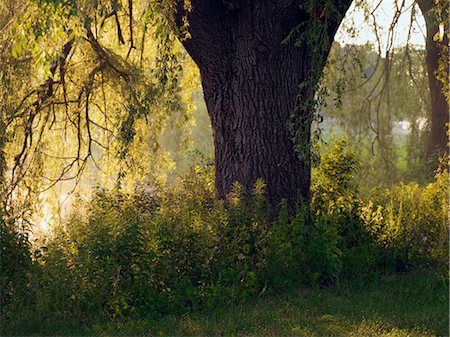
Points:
(250, 109)
(439, 108)
(251, 85)
(2, 153)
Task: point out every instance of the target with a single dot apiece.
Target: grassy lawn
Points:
(400, 305)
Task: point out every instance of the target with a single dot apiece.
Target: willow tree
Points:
(260, 64)
(84, 86)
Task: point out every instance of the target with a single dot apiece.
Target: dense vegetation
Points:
(174, 249)
(106, 141)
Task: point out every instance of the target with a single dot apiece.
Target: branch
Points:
(130, 9)
(105, 56)
(44, 93)
(119, 29)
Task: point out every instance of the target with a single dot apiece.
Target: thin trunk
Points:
(2, 153)
(439, 108)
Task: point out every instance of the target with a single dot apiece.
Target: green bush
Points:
(121, 255)
(171, 249)
(15, 261)
(410, 223)
(303, 250)
(351, 252)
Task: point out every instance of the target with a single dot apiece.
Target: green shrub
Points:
(171, 249)
(15, 260)
(120, 255)
(351, 253)
(302, 250)
(333, 187)
(286, 252)
(410, 223)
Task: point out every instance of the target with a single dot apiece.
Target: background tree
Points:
(370, 88)
(437, 44)
(383, 116)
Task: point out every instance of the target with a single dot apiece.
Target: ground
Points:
(414, 304)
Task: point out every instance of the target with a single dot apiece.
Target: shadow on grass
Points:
(401, 305)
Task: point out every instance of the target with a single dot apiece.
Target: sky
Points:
(363, 29)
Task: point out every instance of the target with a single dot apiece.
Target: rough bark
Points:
(251, 84)
(2, 153)
(439, 108)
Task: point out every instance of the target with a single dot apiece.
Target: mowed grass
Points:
(400, 305)
(414, 304)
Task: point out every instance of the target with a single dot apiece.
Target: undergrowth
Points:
(176, 249)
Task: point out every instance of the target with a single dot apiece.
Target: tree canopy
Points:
(107, 75)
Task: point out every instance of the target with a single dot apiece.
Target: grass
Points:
(415, 304)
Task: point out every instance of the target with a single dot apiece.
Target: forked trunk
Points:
(253, 83)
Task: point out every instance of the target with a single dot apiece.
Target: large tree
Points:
(260, 64)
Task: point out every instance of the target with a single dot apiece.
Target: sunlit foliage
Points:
(173, 249)
(89, 85)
